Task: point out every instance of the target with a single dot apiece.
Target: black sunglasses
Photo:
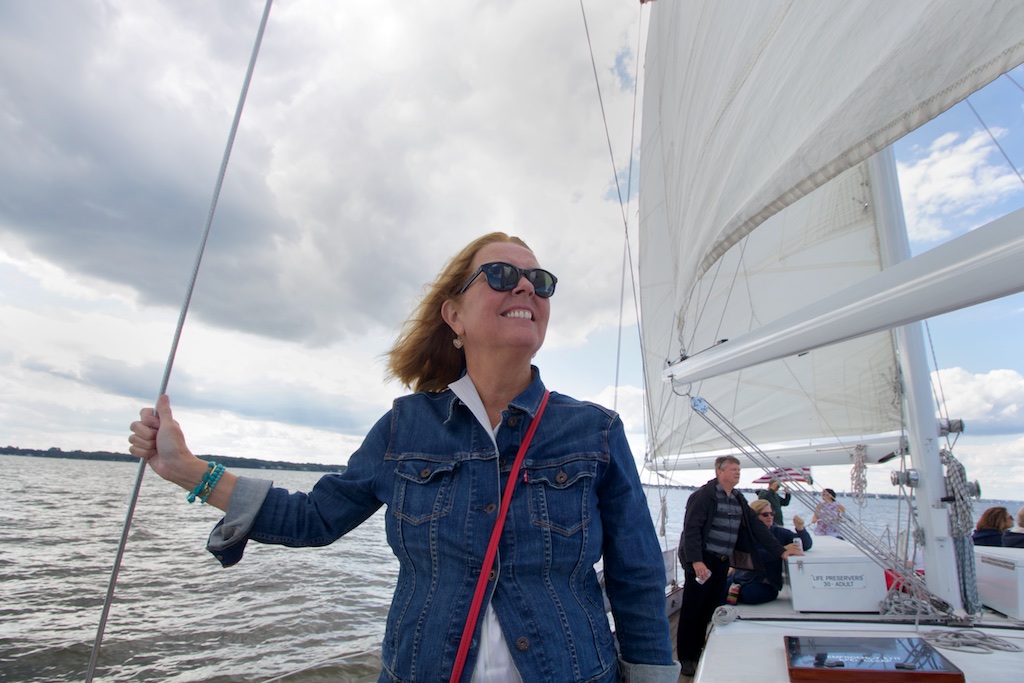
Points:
(503, 277)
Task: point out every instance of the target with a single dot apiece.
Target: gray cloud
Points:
(259, 399)
(357, 170)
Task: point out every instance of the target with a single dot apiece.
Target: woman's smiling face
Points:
(488, 319)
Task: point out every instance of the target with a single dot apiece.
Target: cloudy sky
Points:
(377, 139)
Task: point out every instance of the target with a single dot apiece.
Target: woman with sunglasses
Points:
(443, 460)
(757, 586)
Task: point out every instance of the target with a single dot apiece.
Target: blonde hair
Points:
(423, 357)
(759, 504)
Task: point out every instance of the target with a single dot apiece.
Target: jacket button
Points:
(424, 473)
(522, 644)
(493, 575)
(513, 421)
(561, 478)
(490, 508)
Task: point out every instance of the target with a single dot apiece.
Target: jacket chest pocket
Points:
(423, 490)
(560, 495)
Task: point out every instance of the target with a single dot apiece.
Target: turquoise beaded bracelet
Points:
(205, 487)
(214, 478)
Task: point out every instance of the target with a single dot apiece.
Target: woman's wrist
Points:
(190, 473)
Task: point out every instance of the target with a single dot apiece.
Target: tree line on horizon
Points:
(226, 460)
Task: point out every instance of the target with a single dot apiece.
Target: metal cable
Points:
(873, 547)
(94, 655)
(623, 201)
(994, 141)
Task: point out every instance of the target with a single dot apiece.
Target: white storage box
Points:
(1000, 574)
(835, 576)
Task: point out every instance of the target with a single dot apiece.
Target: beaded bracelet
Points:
(214, 478)
(205, 487)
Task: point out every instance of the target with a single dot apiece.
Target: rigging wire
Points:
(940, 394)
(994, 141)
(604, 118)
(1012, 80)
(627, 258)
(940, 397)
(875, 548)
(618, 343)
(94, 655)
(623, 202)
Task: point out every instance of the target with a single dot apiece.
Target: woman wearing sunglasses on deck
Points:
(757, 586)
(454, 461)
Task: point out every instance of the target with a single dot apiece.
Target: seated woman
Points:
(827, 514)
(1014, 536)
(990, 527)
(753, 587)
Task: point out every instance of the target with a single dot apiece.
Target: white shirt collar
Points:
(467, 393)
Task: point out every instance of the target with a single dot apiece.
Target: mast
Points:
(940, 569)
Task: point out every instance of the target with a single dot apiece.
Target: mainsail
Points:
(759, 120)
(840, 391)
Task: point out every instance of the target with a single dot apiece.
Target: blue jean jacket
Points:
(431, 462)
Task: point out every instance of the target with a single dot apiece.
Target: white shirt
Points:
(494, 663)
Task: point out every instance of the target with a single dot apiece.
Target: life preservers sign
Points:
(834, 581)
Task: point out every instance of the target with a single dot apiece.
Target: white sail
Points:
(767, 221)
(838, 391)
(759, 115)
(750, 106)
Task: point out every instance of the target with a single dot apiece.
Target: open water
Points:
(282, 614)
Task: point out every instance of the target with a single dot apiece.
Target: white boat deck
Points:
(751, 647)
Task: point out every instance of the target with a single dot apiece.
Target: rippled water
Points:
(177, 615)
(282, 614)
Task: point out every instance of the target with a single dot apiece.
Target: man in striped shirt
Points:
(719, 531)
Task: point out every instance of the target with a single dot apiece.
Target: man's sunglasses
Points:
(503, 277)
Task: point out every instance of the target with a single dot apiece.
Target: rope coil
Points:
(961, 517)
(724, 614)
(969, 640)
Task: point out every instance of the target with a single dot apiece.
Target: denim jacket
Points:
(432, 463)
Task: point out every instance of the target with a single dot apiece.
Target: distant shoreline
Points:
(227, 461)
(256, 464)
